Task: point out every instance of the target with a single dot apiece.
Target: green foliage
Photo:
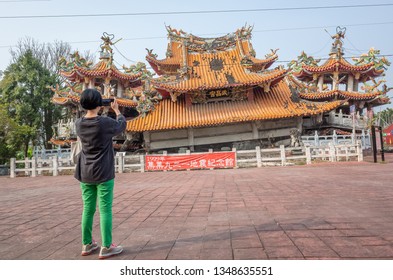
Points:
(27, 101)
(12, 135)
(384, 118)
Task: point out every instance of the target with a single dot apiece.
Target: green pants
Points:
(104, 192)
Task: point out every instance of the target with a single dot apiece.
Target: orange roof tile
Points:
(229, 73)
(61, 100)
(339, 65)
(273, 105)
(340, 94)
(169, 64)
(59, 142)
(72, 99)
(259, 64)
(100, 70)
(234, 47)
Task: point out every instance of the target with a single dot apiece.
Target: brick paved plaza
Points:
(322, 211)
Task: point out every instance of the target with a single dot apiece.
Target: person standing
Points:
(95, 170)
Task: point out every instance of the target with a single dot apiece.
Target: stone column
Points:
(190, 135)
(91, 83)
(120, 89)
(356, 85)
(320, 83)
(350, 83)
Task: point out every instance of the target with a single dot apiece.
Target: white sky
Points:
(290, 31)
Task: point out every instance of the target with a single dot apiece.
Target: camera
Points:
(107, 101)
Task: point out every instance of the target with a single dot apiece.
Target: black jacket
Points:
(95, 163)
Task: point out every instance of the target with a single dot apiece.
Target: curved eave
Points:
(71, 75)
(163, 66)
(195, 84)
(340, 94)
(73, 99)
(63, 101)
(109, 72)
(380, 100)
(275, 104)
(62, 143)
(262, 64)
(341, 65)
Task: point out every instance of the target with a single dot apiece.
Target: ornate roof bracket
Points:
(266, 87)
(174, 96)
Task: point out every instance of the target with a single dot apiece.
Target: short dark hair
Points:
(90, 99)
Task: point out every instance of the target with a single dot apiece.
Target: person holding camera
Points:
(95, 169)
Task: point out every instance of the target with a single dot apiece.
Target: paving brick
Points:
(311, 212)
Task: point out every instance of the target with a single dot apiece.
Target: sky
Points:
(292, 31)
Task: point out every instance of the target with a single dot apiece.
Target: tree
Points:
(24, 92)
(384, 118)
(47, 53)
(12, 135)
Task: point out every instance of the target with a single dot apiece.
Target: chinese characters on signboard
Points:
(194, 161)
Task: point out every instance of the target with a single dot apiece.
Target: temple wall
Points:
(191, 137)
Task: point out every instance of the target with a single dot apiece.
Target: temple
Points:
(218, 95)
(336, 79)
(131, 87)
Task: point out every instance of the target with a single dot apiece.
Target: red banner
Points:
(192, 161)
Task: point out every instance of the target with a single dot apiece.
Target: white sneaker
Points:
(107, 252)
(89, 248)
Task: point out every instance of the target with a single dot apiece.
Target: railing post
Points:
(363, 138)
(282, 154)
(308, 155)
(55, 165)
(12, 168)
(27, 166)
(359, 151)
(142, 161)
(258, 153)
(316, 139)
(234, 150)
(335, 137)
(120, 159)
(340, 117)
(39, 165)
(33, 166)
(332, 152)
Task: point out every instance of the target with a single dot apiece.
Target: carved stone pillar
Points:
(120, 89)
(350, 83)
(320, 83)
(91, 83)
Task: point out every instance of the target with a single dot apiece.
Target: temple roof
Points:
(340, 94)
(74, 99)
(275, 104)
(103, 69)
(229, 75)
(338, 64)
(188, 53)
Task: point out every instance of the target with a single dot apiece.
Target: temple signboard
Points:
(192, 161)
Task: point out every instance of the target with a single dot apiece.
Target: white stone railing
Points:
(340, 120)
(344, 120)
(66, 129)
(244, 158)
(43, 153)
(316, 140)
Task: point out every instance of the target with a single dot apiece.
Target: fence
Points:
(244, 158)
(316, 140)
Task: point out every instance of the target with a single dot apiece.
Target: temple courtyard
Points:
(338, 210)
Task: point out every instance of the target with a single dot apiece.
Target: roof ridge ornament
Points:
(337, 45)
(106, 46)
